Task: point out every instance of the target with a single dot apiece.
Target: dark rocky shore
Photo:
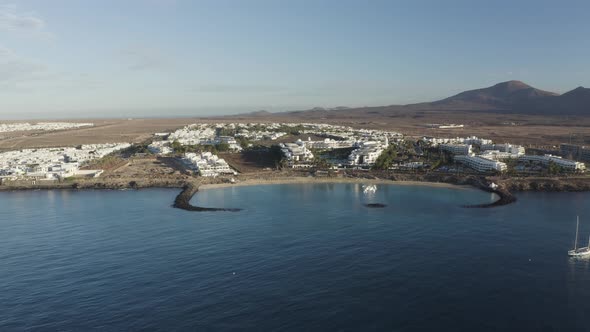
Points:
(189, 186)
(505, 196)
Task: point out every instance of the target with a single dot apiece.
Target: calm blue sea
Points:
(305, 257)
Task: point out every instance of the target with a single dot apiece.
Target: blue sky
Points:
(173, 57)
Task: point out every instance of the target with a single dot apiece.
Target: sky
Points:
(122, 58)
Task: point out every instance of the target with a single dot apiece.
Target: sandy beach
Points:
(301, 180)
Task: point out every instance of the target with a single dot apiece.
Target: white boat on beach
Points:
(579, 252)
(369, 189)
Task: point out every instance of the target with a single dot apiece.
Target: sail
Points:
(577, 227)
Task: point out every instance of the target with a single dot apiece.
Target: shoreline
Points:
(314, 180)
(503, 191)
(182, 200)
(189, 187)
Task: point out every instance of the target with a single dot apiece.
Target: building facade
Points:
(457, 149)
(567, 164)
(480, 164)
(577, 152)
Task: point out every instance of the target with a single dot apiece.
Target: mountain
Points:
(258, 113)
(513, 97)
(508, 97)
(576, 101)
(502, 96)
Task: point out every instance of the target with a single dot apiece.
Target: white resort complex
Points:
(457, 148)
(481, 164)
(547, 159)
(492, 157)
(297, 154)
(53, 163)
(367, 153)
(207, 164)
(359, 149)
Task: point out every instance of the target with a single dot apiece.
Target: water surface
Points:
(299, 257)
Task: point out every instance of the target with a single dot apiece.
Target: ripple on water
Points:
(298, 257)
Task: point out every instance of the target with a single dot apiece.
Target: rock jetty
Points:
(183, 199)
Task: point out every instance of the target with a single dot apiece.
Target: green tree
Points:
(386, 158)
(222, 147)
(321, 163)
(177, 147)
(555, 169)
(243, 141)
(277, 157)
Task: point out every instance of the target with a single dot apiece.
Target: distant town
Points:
(202, 149)
(42, 126)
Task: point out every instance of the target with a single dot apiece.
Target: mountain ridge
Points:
(508, 97)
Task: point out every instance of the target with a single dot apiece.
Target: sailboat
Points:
(369, 189)
(579, 252)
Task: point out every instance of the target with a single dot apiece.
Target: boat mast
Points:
(576, 240)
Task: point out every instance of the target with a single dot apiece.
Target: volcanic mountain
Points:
(507, 97)
(502, 96)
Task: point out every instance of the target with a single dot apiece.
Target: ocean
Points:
(298, 257)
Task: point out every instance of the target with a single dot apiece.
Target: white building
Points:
(499, 155)
(207, 164)
(296, 152)
(229, 140)
(569, 165)
(457, 149)
(480, 164)
(53, 163)
(160, 147)
(509, 148)
(366, 154)
(473, 140)
(328, 144)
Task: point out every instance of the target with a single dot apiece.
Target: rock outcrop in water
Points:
(375, 205)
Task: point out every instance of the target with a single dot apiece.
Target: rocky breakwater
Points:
(505, 197)
(183, 199)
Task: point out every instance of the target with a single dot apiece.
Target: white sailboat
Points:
(369, 189)
(578, 252)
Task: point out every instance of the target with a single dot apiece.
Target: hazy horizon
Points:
(159, 58)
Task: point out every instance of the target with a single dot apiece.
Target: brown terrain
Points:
(543, 131)
(104, 131)
(534, 130)
(507, 112)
